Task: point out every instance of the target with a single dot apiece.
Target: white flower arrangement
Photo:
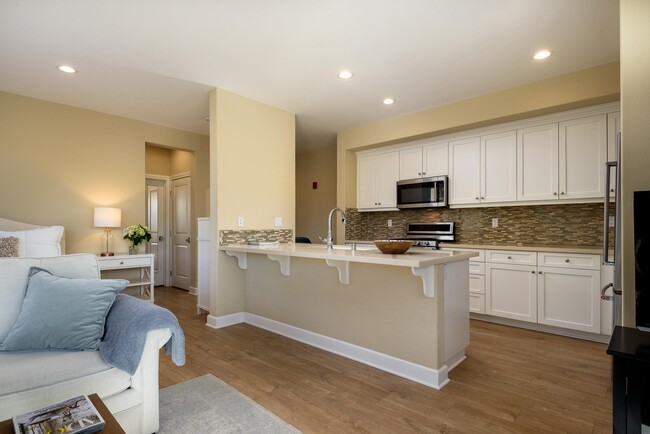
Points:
(137, 233)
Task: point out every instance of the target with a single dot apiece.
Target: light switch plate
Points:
(612, 222)
(495, 223)
(240, 222)
(390, 223)
(278, 221)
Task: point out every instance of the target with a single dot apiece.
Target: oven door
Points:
(422, 193)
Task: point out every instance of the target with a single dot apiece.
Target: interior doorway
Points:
(157, 220)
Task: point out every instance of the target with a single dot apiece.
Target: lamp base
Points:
(107, 254)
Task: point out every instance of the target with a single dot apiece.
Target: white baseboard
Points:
(217, 322)
(193, 290)
(402, 368)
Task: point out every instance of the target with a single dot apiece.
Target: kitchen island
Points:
(406, 314)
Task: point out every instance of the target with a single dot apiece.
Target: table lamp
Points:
(108, 218)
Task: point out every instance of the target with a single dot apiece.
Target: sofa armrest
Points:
(145, 378)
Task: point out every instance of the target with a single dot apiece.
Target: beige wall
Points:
(313, 206)
(635, 113)
(157, 161)
(252, 153)
(59, 162)
(578, 89)
(181, 161)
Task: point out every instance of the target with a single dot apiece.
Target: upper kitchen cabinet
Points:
(465, 171)
(562, 161)
(613, 130)
(483, 169)
(537, 163)
(583, 154)
(424, 161)
(377, 176)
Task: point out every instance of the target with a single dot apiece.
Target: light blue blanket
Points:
(127, 325)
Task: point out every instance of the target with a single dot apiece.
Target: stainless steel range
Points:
(429, 234)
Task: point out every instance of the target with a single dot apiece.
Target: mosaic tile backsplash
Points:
(578, 225)
(242, 237)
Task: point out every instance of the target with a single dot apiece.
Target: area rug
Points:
(208, 405)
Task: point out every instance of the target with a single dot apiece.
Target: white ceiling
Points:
(156, 60)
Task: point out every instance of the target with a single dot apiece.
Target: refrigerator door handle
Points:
(608, 171)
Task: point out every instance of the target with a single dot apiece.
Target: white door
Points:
(435, 160)
(157, 221)
(499, 167)
(511, 292)
(181, 230)
(537, 163)
(583, 153)
(410, 163)
(387, 177)
(569, 298)
(465, 171)
(367, 182)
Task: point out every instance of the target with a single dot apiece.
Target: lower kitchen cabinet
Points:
(569, 298)
(511, 292)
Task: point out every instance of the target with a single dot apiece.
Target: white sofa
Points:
(32, 380)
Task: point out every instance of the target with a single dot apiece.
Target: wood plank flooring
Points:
(513, 380)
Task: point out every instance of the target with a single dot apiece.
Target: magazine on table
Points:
(75, 415)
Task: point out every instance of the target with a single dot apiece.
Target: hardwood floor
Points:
(513, 380)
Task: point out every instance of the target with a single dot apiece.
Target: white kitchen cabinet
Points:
(377, 176)
(483, 169)
(537, 163)
(465, 171)
(499, 167)
(613, 129)
(511, 291)
(569, 298)
(583, 154)
(423, 162)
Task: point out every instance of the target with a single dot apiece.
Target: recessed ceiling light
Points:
(542, 54)
(345, 75)
(388, 101)
(67, 69)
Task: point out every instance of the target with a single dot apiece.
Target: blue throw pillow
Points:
(62, 314)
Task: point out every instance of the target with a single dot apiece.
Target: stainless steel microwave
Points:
(422, 192)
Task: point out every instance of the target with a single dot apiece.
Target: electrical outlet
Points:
(390, 223)
(278, 221)
(240, 222)
(612, 222)
(495, 223)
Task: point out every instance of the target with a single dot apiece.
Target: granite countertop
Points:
(587, 250)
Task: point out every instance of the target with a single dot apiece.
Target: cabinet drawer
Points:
(476, 267)
(477, 303)
(511, 257)
(569, 260)
(476, 284)
(108, 264)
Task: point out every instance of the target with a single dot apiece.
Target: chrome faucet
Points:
(329, 240)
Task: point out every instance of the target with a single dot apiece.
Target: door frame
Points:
(167, 229)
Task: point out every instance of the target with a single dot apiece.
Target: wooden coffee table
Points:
(112, 427)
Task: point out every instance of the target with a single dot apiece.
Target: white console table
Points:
(143, 263)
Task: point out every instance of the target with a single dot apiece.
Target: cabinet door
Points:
(387, 177)
(499, 167)
(435, 160)
(511, 292)
(583, 153)
(537, 163)
(613, 129)
(410, 163)
(465, 171)
(367, 182)
(569, 298)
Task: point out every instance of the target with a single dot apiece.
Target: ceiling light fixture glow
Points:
(388, 101)
(542, 54)
(345, 75)
(67, 69)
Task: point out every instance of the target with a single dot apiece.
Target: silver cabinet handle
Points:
(424, 173)
(562, 193)
(121, 262)
(533, 271)
(419, 173)
(509, 257)
(539, 272)
(555, 193)
(482, 198)
(476, 198)
(566, 260)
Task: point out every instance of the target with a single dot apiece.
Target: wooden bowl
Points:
(393, 247)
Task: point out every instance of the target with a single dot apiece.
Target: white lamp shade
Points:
(108, 217)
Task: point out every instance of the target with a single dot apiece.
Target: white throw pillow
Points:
(38, 243)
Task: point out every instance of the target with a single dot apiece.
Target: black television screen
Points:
(642, 258)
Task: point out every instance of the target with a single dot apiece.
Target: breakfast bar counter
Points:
(376, 311)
